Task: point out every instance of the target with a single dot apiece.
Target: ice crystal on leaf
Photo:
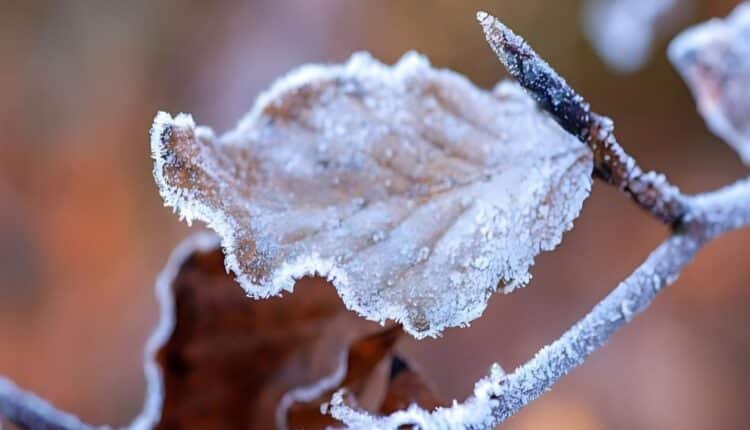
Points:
(714, 59)
(414, 192)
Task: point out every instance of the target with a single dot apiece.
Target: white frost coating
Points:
(714, 60)
(310, 392)
(711, 214)
(725, 209)
(623, 31)
(498, 398)
(475, 412)
(152, 407)
(412, 191)
(33, 412)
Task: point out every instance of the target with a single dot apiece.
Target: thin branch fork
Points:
(612, 164)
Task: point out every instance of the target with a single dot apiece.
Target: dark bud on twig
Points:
(549, 89)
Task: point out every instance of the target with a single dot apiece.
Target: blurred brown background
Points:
(83, 232)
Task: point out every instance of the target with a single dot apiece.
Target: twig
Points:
(612, 164)
(696, 220)
(630, 298)
(28, 411)
(712, 214)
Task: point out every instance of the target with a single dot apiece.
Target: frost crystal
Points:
(414, 192)
(623, 31)
(714, 59)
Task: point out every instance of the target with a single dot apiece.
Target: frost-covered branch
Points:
(630, 298)
(31, 412)
(650, 190)
(499, 396)
(496, 398)
(712, 214)
(696, 220)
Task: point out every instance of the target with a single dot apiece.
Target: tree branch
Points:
(650, 190)
(497, 399)
(630, 298)
(695, 219)
(711, 215)
(28, 411)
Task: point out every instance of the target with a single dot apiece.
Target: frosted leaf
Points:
(623, 31)
(414, 192)
(714, 60)
(225, 362)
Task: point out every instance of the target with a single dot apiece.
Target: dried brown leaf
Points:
(226, 360)
(414, 192)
